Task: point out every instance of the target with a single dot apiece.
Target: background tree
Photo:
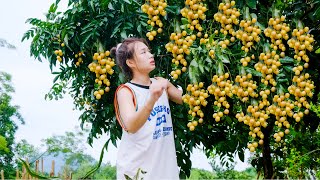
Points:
(24, 150)
(246, 67)
(4, 43)
(9, 117)
(68, 151)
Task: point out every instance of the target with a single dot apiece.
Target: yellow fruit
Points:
(98, 96)
(191, 128)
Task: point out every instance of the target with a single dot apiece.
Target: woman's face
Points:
(143, 59)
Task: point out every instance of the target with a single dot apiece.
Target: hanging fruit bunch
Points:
(102, 66)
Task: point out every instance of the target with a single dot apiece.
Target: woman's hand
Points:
(156, 88)
(174, 93)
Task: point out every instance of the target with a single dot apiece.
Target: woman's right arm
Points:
(132, 119)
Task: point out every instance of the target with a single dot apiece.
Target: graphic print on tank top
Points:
(161, 114)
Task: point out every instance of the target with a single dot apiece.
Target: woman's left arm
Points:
(174, 93)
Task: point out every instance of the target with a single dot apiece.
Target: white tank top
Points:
(152, 147)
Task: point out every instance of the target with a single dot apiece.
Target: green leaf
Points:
(192, 74)
(260, 26)
(201, 67)
(139, 28)
(3, 144)
(184, 21)
(194, 63)
(288, 68)
(252, 3)
(253, 15)
(253, 72)
(110, 6)
(224, 58)
(286, 59)
(318, 51)
(316, 14)
(123, 34)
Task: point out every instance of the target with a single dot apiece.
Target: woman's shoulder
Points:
(124, 89)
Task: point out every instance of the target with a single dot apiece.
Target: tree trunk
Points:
(267, 162)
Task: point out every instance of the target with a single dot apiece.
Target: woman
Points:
(143, 111)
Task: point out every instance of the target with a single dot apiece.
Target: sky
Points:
(32, 80)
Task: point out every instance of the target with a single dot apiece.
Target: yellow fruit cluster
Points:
(221, 87)
(79, 58)
(227, 17)
(301, 41)
(244, 87)
(282, 108)
(205, 39)
(212, 53)
(256, 118)
(194, 11)
(249, 34)
(102, 65)
(269, 66)
(59, 54)
(301, 88)
(277, 31)
(195, 97)
(154, 8)
(245, 61)
(264, 94)
(223, 44)
(179, 47)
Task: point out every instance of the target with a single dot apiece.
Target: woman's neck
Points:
(142, 80)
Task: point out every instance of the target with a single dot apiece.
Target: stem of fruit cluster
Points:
(254, 102)
(299, 24)
(266, 47)
(177, 26)
(99, 46)
(220, 68)
(242, 71)
(275, 12)
(246, 13)
(280, 90)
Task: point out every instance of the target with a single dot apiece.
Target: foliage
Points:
(9, 117)
(249, 173)
(70, 146)
(106, 171)
(232, 174)
(201, 174)
(25, 150)
(316, 107)
(3, 144)
(302, 160)
(243, 71)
